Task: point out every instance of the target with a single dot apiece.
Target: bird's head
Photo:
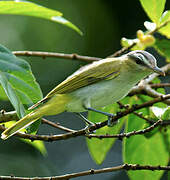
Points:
(144, 61)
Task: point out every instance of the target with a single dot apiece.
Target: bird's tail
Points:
(56, 105)
(21, 124)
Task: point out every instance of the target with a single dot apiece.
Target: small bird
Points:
(95, 85)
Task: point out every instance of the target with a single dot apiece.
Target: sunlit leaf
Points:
(165, 19)
(166, 114)
(158, 112)
(149, 25)
(153, 8)
(31, 9)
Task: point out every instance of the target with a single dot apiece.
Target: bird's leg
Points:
(109, 115)
(85, 119)
(87, 106)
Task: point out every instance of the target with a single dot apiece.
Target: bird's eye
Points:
(138, 58)
(138, 61)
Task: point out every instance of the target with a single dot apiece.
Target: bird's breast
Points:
(103, 93)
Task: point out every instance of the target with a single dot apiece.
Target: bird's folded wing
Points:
(105, 69)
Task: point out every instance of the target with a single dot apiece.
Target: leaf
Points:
(149, 25)
(18, 81)
(3, 96)
(34, 10)
(158, 112)
(19, 84)
(165, 18)
(163, 46)
(154, 9)
(144, 151)
(166, 114)
(99, 148)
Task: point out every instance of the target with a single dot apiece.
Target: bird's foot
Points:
(110, 121)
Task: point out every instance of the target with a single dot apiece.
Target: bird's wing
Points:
(105, 69)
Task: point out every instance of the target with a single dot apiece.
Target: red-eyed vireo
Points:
(95, 85)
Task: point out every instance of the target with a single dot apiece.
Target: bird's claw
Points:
(111, 123)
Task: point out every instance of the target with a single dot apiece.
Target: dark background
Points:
(103, 23)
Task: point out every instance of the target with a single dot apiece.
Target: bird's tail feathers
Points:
(56, 105)
(21, 124)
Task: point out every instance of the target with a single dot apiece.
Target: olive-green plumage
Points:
(92, 86)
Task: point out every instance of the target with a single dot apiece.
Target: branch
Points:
(79, 57)
(92, 128)
(128, 134)
(56, 125)
(137, 114)
(127, 167)
(147, 90)
(160, 85)
(7, 116)
(56, 55)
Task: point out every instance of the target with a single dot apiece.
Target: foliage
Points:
(19, 86)
(31, 9)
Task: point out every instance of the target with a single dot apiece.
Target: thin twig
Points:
(159, 27)
(56, 125)
(160, 85)
(8, 116)
(137, 114)
(56, 55)
(128, 134)
(127, 167)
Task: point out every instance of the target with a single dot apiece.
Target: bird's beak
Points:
(159, 71)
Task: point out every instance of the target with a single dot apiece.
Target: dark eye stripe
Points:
(138, 58)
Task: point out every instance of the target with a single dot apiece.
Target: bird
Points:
(93, 86)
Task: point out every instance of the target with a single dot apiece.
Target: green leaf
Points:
(18, 81)
(158, 112)
(166, 114)
(165, 18)
(141, 150)
(163, 46)
(34, 10)
(154, 9)
(99, 148)
(19, 85)
(3, 96)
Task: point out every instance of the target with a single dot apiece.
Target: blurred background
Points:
(103, 23)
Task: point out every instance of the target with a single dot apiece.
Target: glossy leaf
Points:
(158, 112)
(166, 114)
(18, 81)
(19, 85)
(154, 9)
(31, 9)
(163, 46)
(99, 148)
(3, 96)
(142, 150)
(165, 18)
(149, 25)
